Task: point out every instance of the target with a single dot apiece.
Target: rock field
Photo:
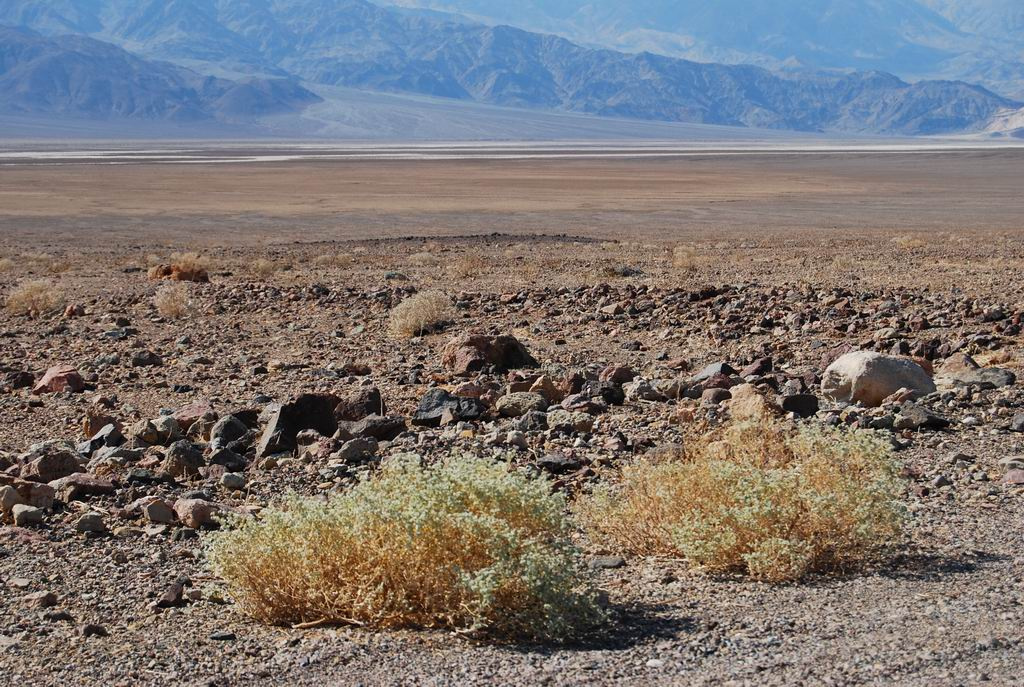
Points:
(124, 434)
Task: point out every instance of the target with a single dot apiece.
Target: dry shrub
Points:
(420, 314)
(34, 298)
(684, 258)
(262, 268)
(334, 260)
(773, 503)
(190, 262)
(469, 265)
(465, 545)
(46, 262)
(173, 301)
(6, 264)
(425, 259)
(909, 242)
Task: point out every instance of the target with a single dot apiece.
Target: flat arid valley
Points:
(534, 414)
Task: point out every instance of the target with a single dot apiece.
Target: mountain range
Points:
(980, 41)
(248, 60)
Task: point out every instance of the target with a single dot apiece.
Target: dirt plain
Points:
(589, 262)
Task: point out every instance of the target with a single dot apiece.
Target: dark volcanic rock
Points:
(436, 401)
(306, 411)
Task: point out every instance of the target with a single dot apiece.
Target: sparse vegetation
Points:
(173, 301)
(469, 265)
(420, 314)
(909, 242)
(262, 268)
(424, 259)
(465, 545)
(34, 298)
(684, 258)
(769, 502)
(333, 260)
(6, 264)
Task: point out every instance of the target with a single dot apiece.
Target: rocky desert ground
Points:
(651, 297)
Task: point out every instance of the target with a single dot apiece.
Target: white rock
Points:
(868, 377)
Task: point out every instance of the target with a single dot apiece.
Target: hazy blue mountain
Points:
(981, 41)
(81, 77)
(356, 44)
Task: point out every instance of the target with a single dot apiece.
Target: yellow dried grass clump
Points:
(262, 268)
(419, 314)
(465, 545)
(758, 499)
(34, 298)
(173, 300)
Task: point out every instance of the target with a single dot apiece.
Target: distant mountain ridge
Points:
(79, 76)
(357, 44)
(980, 41)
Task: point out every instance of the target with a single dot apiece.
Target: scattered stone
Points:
(81, 485)
(195, 513)
(146, 359)
(232, 481)
(49, 461)
(41, 599)
(24, 515)
(91, 523)
(520, 403)
(306, 411)
(183, 459)
(92, 630)
(963, 370)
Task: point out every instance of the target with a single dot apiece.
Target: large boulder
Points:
(357, 405)
(869, 378)
(468, 354)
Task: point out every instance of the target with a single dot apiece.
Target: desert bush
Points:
(333, 260)
(262, 268)
(34, 298)
(173, 301)
(469, 265)
(6, 264)
(684, 258)
(773, 503)
(190, 262)
(465, 545)
(909, 242)
(424, 259)
(419, 314)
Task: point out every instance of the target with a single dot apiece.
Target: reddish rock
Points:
(1014, 477)
(60, 378)
(30, 493)
(195, 513)
(47, 462)
(81, 484)
(468, 354)
(192, 413)
(617, 374)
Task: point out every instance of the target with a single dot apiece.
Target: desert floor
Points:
(711, 258)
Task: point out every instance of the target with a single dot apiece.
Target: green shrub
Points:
(465, 545)
(759, 499)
